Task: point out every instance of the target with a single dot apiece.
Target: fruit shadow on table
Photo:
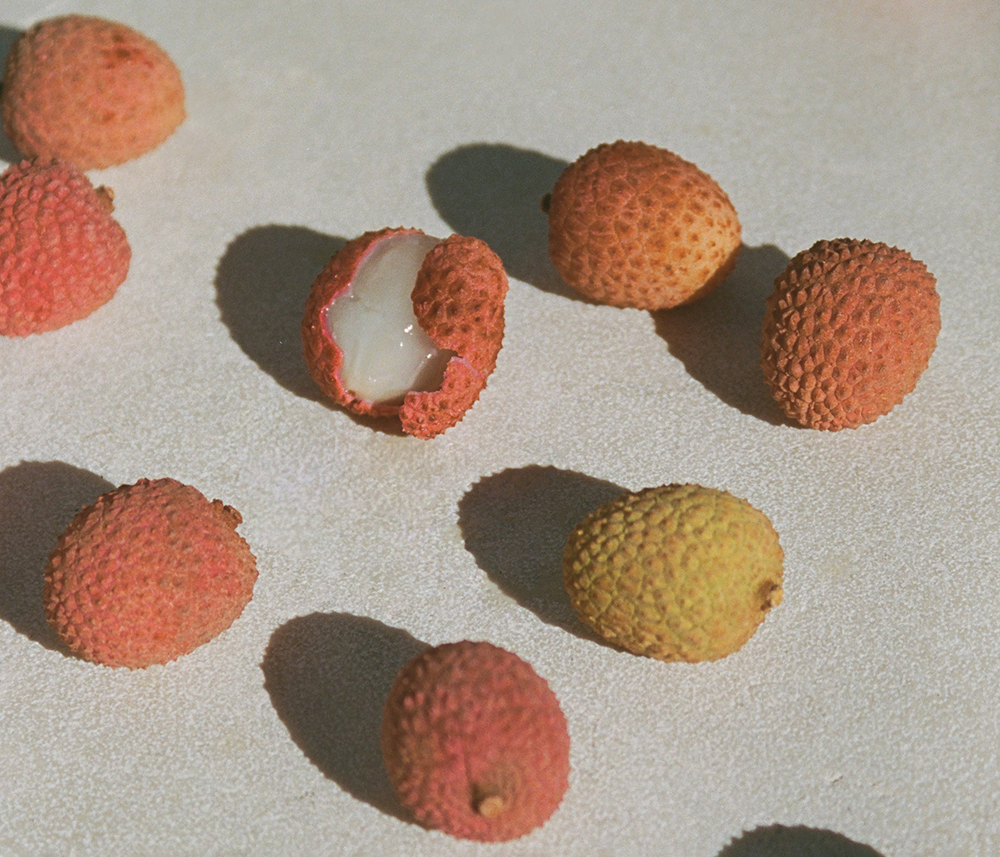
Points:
(780, 841)
(493, 191)
(38, 499)
(516, 523)
(718, 337)
(8, 35)
(328, 676)
(262, 282)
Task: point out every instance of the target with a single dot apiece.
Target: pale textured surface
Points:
(865, 705)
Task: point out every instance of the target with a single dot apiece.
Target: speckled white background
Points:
(864, 713)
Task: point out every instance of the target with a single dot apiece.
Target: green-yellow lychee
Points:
(634, 225)
(475, 742)
(679, 572)
(146, 574)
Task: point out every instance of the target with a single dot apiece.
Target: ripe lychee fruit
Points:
(849, 328)
(679, 572)
(634, 225)
(89, 91)
(402, 324)
(62, 254)
(146, 574)
(475, 742)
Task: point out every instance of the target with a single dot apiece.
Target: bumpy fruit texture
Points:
(146, 574)
(849, 329)
(475, 742)
(62, 254)
(402, 324)
(633, 225)
(89, 91)
(679, 572)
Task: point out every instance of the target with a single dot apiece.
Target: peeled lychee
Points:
(679, 573)
(475, 742)
(402, 324)
(634, 225)
(146, 574)
(89, 91)
(62, 254)
(849, 328)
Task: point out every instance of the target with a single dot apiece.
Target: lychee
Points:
(89, 91)
(679, 572)
(146, 574)
(849, 329)
(62, 254)
(475, 742)
(402, 324)
(634, 225)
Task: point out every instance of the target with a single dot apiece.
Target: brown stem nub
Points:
(106, 196)
(490, 806)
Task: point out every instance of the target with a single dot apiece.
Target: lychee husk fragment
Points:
(678, 572)
(475, 742)
(402, 324)
(62, 254)
(849, 329)
(147, 573)
(634, 225)
(89, 91)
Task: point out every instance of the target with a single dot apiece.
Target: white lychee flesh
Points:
(385, 352)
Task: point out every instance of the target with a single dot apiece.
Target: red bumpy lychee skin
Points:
(849, 329)
(89, 91)
(146, 574)
(475, 742)
(634, 225)
(458, 300)
(62, 254)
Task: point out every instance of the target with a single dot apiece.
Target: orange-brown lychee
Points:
(402, 324)
(475, 742)
(634, 225)
(89, 91)
(62, 254)
(849, 328)
(146, 574)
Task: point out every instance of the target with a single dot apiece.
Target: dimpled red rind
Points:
(146, 574)
(469, 724)
(89, 91)
(634, 225)
(458, 299)
(62, 254)
(849, 329)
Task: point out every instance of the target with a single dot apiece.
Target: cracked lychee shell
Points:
(634, 225)
(146, 574)
(403, 324)
(849, 329)
(678, 573)
(475, 742)
(89, 91)
(62, 254)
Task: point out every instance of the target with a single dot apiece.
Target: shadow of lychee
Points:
(38, 499)
(328, 676)
(799, 841)
(718, 337)
(516, 524)
(493, 191)
(8, 35)
(262, 282)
